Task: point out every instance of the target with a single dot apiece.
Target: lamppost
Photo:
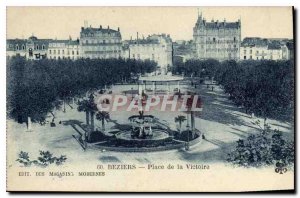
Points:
(187, 145)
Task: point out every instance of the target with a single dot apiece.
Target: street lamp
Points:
(187, 145)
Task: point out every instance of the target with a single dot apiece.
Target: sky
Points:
(62, 22)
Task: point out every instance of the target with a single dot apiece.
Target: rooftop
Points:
(217, 24)
(88, 30)
(264, 42)
(161, 78)
(69, 41)
(151, 39)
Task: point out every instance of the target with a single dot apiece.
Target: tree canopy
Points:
(264, 87)
(34, 87)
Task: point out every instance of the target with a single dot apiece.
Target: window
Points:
(257, 52)
(234, 39)
(54, 51)
(87, 42)
(245, 51)
(72, 52)
(23, 47)
(58, 51)
(43, 47)
(152, 56)
(214, 39)
(251, 57)
(37, 47)
(133, 55)
(49, 51)
(138, 56)
(17, 47)
(251, 51)
(245, 57)
(77, 52)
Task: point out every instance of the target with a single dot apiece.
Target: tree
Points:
(89, 107)
(34, 86)
(83, 106)
(102, 116)
(180, 119)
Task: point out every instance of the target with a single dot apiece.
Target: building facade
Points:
(217, 40)
(182, 51)
(64, 49)
(31, 48)
(157, 48)
(255, 48)
(100, 42)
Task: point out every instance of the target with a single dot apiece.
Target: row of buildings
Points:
(219, 40)
(96, 43)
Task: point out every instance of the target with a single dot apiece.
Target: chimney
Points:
(100, 27)
(85, 24)
(118, 29)
(137, 35)
(108, 27)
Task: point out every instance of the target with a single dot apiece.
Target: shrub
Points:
(266, 148)
(45, 159)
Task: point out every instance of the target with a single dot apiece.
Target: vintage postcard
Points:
(150, 99)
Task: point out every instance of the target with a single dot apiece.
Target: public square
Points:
(221, 122)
